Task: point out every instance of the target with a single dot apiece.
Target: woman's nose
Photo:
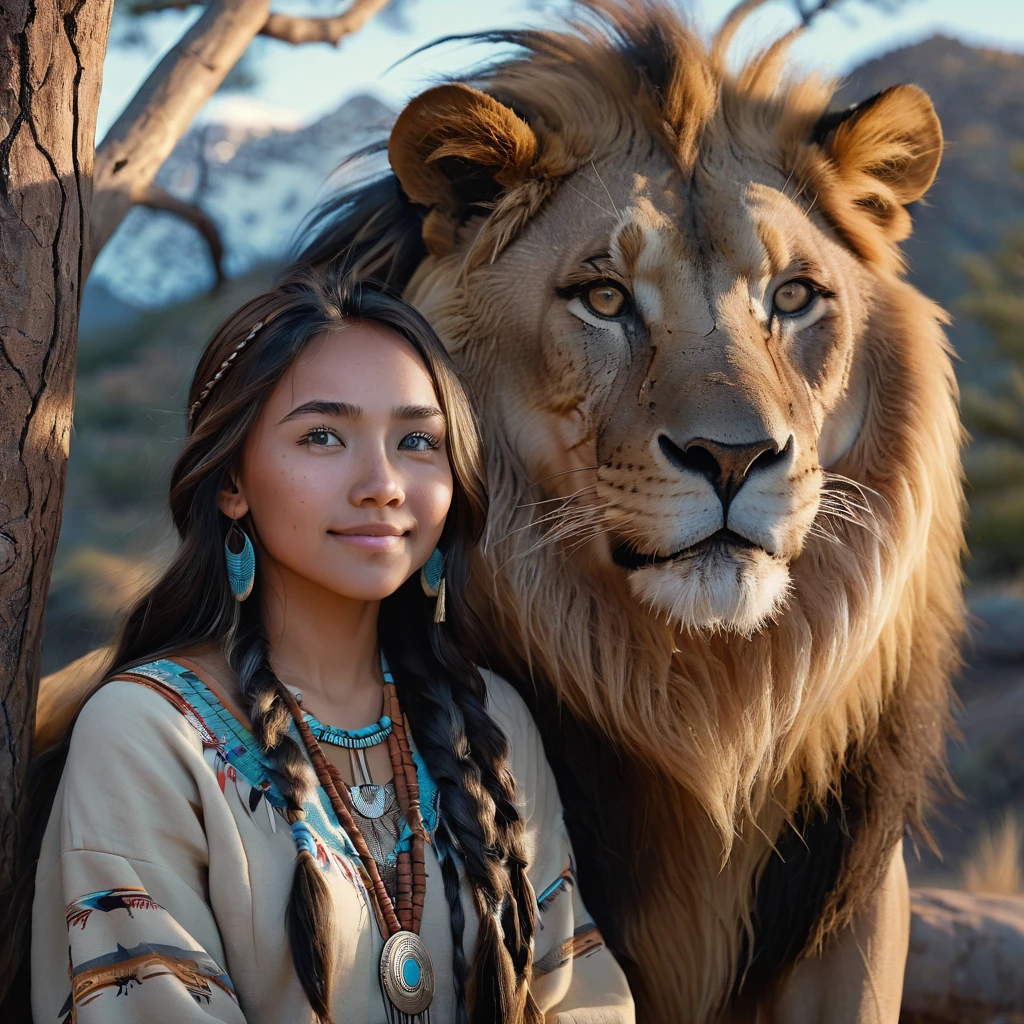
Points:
(378, 484)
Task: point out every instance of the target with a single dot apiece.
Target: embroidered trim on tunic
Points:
(586, 940)
(125, 968)
(563, 883)
(129, 897)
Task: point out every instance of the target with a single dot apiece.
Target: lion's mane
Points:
(717, 750)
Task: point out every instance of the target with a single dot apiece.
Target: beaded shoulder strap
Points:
(218, 729)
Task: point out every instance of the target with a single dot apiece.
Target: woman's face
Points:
(345, 474)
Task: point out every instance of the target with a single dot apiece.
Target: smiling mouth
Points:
(627, 557)
(369, 538)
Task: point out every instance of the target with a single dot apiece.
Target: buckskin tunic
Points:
(167, 862)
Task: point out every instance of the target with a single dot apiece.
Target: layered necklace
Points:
(406, 970)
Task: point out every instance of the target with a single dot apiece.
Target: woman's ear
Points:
(231, 499)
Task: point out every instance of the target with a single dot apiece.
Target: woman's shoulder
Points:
(135, 778)
(145, 707)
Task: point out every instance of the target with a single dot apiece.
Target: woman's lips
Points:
(372, 537)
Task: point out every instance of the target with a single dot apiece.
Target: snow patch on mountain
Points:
(257, 177)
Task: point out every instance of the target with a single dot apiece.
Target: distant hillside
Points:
(979, 97)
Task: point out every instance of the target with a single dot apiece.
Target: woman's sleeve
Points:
(576, 980)
(122, 929)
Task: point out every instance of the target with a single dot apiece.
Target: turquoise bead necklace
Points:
(351, 739)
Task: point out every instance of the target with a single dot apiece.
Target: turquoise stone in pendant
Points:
(411, 972)
(407, 974)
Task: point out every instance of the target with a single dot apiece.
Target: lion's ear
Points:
(885, 152)
(455, 149)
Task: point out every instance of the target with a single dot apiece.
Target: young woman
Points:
(296, 798)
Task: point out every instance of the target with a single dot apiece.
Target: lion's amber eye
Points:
(606, 300)
(793, 297)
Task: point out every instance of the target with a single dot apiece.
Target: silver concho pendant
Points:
(407, 976)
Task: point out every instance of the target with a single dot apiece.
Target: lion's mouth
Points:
(627, 557)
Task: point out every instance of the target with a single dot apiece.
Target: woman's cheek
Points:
(292, 510)
(434, 501)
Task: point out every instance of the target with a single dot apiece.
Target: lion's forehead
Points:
(700, 256)
(744, 230)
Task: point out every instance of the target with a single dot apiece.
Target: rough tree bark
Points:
(51, 61)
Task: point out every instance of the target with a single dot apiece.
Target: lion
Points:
(724, 557)
(723, 563)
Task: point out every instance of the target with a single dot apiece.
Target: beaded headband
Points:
(211, 384)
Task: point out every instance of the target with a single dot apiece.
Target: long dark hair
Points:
(439, 686)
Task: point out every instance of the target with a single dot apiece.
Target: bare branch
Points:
(143, 7)
(809, 12)
(297, 30)
(136, 147)
(144, 135)
(156, 198)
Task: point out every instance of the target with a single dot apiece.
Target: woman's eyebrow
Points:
(321, 407)
(416, 412)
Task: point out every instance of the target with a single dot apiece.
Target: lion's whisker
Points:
(564, 472)
(605, 187)
(853, 522)
(864, 489)
(555, 535)
(583, 195)
(563, 499)
(586, 540)
(555, 515)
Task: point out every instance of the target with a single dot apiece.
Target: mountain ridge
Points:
(978, 193)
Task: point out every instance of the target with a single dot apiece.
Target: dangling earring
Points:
(432, 582)
(241, 564)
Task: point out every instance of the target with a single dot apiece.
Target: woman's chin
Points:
(363, 582)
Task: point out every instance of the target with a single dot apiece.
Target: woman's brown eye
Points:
(606, 300)
(793, 297)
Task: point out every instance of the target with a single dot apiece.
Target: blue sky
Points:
(301, 83)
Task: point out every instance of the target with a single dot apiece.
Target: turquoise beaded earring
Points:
(241, 564)
(432, 582)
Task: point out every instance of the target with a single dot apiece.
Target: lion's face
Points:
(670, 334)
(689, 371)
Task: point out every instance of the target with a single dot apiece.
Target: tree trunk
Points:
(51, 64)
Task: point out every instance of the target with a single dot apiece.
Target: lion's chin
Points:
(726, 589)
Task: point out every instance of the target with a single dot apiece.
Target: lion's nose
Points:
(726, 466)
